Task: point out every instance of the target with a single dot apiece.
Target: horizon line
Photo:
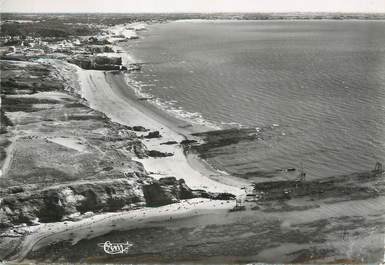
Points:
(194, 12)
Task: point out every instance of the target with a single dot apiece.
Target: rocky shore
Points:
(60, 157)
(73, 177)
(62, 160)
(84, 160)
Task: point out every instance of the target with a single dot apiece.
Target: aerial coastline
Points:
(109, 94)
(86, 158)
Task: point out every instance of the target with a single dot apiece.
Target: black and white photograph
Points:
(192, 132)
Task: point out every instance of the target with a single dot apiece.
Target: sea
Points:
(313, 91)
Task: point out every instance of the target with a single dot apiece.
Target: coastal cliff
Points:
(57, 150)
(85, 159)
(62, 160)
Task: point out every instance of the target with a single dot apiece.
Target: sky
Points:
(128, 6)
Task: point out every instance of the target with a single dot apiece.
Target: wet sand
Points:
(98, 225)
(109, 93)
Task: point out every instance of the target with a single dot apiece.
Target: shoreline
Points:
(336, 219)
(185, 128)
(157, 106)
(102, 224)
(103, 93)
(109, 93)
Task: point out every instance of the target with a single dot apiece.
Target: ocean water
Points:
(313, 90)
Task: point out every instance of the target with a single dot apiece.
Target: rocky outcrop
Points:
(188, 142)
(28, 205)
(108, 60)
(154, 134)
(156, 153)
(55, 175)
(108, 67)
(98, 62)
(55, 203)
(170, 190)
(139, 129)
(356, 186)
(141, 151)
(166, 191)
(169, 143)
(213, 195)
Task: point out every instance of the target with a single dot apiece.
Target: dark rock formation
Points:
(139, 129)
(108, 67)
(170, 190)
(138, 148)
(98, 62)
(213, 195)
(353, 186)
(187, 145)
(145, 98)
(155, 153)
(54, 203)
(188, 142)
(108, 60)
(166, 191)
(154, 134)
(169, 143)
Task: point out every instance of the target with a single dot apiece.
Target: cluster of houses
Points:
(16, 46)
(86, 53)
(92, 52)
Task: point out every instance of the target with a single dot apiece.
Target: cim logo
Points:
(115, 248)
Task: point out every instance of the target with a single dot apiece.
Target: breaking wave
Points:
(170, 106)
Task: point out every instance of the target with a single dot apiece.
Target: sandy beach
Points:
(109, 93)
(179, 155)
(98, 225)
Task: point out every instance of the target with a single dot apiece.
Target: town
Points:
(96, 52)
